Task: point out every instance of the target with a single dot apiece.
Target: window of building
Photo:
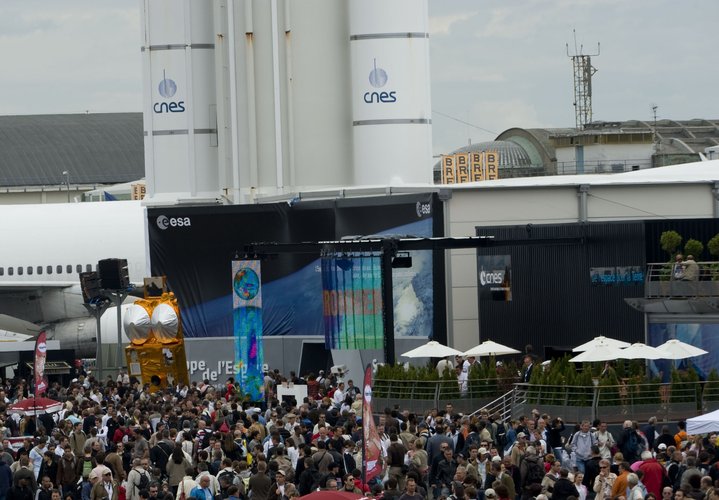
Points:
(59, 269)
(20, 270)
(49, 269)
(68, 269)
(78, 268)
(29, 270)
(88, 268)
(39, 269)
(10, 271)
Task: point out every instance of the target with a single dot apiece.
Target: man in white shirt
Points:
(339, 395)
(37, 453)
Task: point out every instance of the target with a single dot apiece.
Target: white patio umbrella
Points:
(431, 349)
(602, 351)
(600, 340)
(676, 349)
(490, 348)
(639, 351)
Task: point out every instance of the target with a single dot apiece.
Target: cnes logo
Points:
(495, 277)
(163, 222)
(423, 209)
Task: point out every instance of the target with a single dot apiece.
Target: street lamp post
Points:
(67, 183)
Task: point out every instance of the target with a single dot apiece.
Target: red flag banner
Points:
(372, 446)
(40, 356)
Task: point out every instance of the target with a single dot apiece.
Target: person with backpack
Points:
(531, 469)
(137, 480)
(629, 443)
(67, 475)
(83, 468)
(160, 453)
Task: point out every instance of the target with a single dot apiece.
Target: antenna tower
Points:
(583, 72)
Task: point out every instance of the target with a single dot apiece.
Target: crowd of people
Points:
(117, 440)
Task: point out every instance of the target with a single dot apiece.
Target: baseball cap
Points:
(490, 493)
(280, 472)
(496, 458)
(521, 435)
(662, 446)
(482, 451)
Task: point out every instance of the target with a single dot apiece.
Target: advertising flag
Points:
(371, 444)
(247, 314)
(352, 301)
(40, 356)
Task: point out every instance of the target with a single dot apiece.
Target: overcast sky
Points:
(495, 63)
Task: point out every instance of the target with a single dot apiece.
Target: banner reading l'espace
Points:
(247, 313)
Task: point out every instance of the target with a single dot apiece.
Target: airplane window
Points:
(10, 271)
(59, 269)
(78, 268)
(88, 268)
(29, 270)
(20, 270)
(49, 269)
(2, 271)
(68, 268)
(39, 269)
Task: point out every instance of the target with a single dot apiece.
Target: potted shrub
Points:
(669, 241)
(713, 248)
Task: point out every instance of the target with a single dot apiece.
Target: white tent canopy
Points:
(490, 348)
(601, 351)
(431, 349)
(600, 341)
(703, 424)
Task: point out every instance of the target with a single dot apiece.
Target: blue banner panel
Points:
(352, 301)
(247, 313)
(702, 335)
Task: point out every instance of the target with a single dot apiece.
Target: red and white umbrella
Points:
(35, 406)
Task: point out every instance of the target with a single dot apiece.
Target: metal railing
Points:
(602, 166)
(611, 403)
(421, 395)
(661, 281)
(500, 407)
(615, 403)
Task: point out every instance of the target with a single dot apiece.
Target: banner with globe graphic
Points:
(352, 301)
(247, 313)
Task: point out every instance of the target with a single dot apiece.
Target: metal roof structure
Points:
(103, 148)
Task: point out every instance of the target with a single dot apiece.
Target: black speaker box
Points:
(113, 274)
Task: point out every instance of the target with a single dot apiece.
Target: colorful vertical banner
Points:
(352, 301)
(371, 444)
(247, 314)
(39, 368)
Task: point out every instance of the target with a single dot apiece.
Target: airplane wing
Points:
(14, 325)
(8, 336)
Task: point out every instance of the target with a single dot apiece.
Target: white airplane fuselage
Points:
(43, 248)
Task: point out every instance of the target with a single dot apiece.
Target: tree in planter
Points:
(711, 388)
(608, 390)
(713, 248)
(694, 247)
(670, 242)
